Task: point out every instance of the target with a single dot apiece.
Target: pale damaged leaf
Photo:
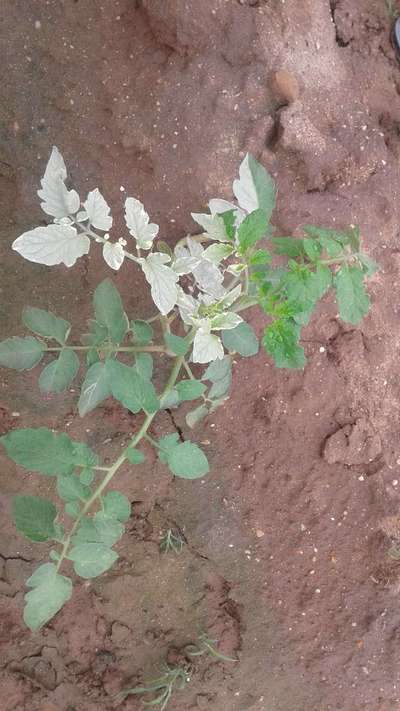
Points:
(53, 244)
(98, 211)
(57, 200)
(255, 188)
(113, 254)
(138, 223)
(162, 279)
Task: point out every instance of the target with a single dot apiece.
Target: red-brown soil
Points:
(286, 561)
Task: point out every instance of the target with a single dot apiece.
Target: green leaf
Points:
(46, 324)
(142, 332)
(43, 574)
(109, 528)
(92, 357)
(331, 241)
(96, 336)
(170, 399)
(73, 509)
(241, 339)
(95, 389)
(92, 559)
(228, 219)
(281, 342)
(166, 445)
(188, 461)
(83, 455)
(289, 246)
(195, 416)
(21, 353)
(116, 505)
(50, 592)
(304, 287)
(130, 388)
(86, 476)
(101, 528)
(135, 456)
(58, 375)
(352, 298)
(252, 229)
(220, 374)
(70, 488)
(176, 344)
(110, 311)
(312, 249)
(40, 450)
(144, 365)
(261, 256)
(34, 517)
(190, 389)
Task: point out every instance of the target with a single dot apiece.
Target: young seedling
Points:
(201, 290)
(171, 542)
(205, 645)
(174, 679)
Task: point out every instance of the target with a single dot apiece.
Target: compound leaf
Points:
(21, 353)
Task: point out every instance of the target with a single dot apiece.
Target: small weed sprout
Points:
(205, 645)
(174, 679)
(201, 290)
(171, 542)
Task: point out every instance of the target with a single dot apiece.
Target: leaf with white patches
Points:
(97, 210)
(213, 225)
(113, 254)
(162, 280)
(57, 200)
(255, 188)
(53, 244)
(206, 347)
(138, 224)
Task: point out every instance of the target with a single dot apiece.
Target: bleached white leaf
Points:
(57, 200)
(217, 252)
(187, 306)
(81, 216)
(255, 187)
(113, 254)
(213, 225)
(207, 275)
(206, 347)
(225, 321)
(162, 279)
(98, 211)
(137, 221)
(235, 269)
(54, 244)
(185, 265)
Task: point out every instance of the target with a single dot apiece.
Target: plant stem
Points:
(117, 349)
(111, 471)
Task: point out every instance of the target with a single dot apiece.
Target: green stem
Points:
(111, 471)
(117, 349)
